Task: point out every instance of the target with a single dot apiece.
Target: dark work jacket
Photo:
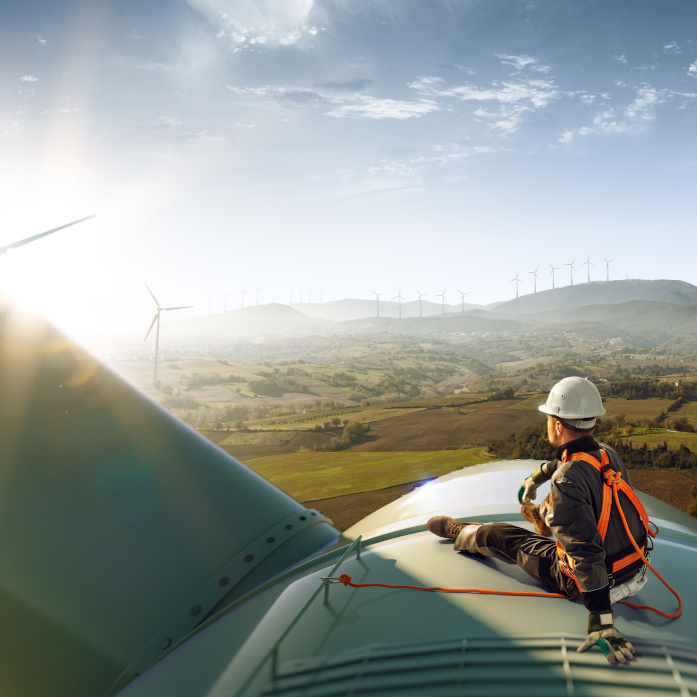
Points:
(574, 510)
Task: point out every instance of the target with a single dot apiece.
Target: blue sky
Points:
(340, 147)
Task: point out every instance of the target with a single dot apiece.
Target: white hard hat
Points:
(576, 400)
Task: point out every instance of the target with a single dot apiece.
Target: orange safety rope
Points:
(346, 580)
(615, 487)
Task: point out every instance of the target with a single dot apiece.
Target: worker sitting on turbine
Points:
(592, 557)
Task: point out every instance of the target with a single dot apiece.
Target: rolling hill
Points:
(599, 293)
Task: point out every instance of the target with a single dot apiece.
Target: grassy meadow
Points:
(310, 476)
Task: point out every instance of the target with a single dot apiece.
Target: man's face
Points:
(552, 427)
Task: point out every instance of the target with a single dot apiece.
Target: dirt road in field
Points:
(670, 487)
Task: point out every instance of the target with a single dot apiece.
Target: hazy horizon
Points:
(334, 147)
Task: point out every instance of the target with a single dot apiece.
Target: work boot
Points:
(531, 513)
(444, 526)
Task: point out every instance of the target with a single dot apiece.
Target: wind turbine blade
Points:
(183, 307)
(153, 297)
(154, 319)
(27, 240)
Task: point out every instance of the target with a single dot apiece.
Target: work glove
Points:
(602, 632)
(527, 491)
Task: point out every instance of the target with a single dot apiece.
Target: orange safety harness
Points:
(613, 480)
(615, 484)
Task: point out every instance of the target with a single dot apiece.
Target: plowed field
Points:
(436, 429)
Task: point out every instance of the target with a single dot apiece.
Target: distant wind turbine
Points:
(607, 267)
(399, 298)
(227, 295)
(463, 299)
(588, 263)
(442, 296)
(421, 295)
(291, 297)
(27, 240)
(156, 320)
(377, 298)
(554, 268)
(571, 269)
(534, 280)
(517, 281)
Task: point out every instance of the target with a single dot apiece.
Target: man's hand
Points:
(527, 491)
(611, 643)
(601, 632)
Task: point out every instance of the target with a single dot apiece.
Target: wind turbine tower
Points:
(534, 279)
(462, 298)
(517, 281)
(442, 297)
(399, 299)
(571, 269)
(607, 268)
(554, 268)
(377, 299)
(419, 298)
(156, 320)
(588, 263)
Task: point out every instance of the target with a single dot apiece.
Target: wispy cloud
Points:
(351, 86)
(692, 69)
(384, 180)
(456, 152)
(634, 118)
(374, 108)
(343, 105)
(254, 23)
(509, 101)
(519, 63)
(29, 78)
(672, 47)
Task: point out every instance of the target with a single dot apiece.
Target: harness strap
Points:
(612, 479)
(615, 484)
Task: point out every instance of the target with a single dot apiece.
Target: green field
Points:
(673, 438)
(311, 476)
(265, 438)
(635, 409)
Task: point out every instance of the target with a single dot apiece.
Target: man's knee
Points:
(466, 540)
(480, 540)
